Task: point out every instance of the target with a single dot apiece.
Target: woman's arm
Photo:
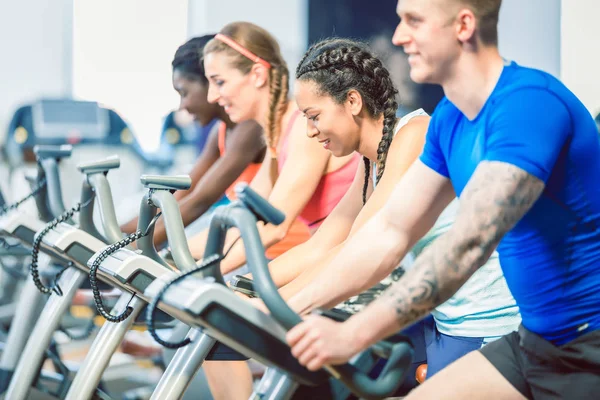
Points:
(261, 184)
(297, 181)
(313, 288)
(215, 174)
(332, 232)
(209, 155)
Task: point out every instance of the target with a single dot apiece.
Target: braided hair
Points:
(188, 59)
(337, 66)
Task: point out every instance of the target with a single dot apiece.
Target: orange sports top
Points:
(246, 176)
(298, 232)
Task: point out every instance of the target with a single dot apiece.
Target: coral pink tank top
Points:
(331, 188)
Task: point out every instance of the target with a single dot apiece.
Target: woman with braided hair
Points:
(349, 100)
(216, 171)
(350, 106)
(249, 78)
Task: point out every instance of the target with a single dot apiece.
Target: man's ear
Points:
(466, 24)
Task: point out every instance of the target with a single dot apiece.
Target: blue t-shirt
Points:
(551, 258)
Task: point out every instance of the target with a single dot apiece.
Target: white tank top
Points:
(401, 122)
(483, 307)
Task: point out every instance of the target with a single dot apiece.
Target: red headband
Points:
(242, 50)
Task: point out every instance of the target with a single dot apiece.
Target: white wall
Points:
(36, 42)
(122, 57)
(529, 33)
(285, 19)
(556, 36)
(529, 30)
(35, 48)
(580, 51)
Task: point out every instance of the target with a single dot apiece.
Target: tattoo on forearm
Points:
(495, 199)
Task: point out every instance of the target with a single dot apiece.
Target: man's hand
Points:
(321, 341)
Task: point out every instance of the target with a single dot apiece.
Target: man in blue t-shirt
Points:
(523, 155)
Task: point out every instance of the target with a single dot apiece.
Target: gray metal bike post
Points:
(214, 245)
(275, 385)
(175, 229)
(8, 288)
(105, 344)
(29, 307)
(111, 334)
(50, 166)
(9, 283)
(39, 340)
(86, 215)
(145, 244)
(41, 199)
(188, 360)
(183, 367)
(7, 313)
(108, 215)
(31, 302)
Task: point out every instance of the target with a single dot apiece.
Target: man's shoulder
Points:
(520, 80)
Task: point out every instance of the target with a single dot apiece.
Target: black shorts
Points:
(221, 352)
(540, 370)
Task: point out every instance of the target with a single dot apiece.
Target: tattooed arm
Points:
(494, 200)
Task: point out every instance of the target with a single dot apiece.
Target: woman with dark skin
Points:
(215, 169)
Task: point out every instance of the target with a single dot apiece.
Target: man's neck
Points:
(473, 81)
